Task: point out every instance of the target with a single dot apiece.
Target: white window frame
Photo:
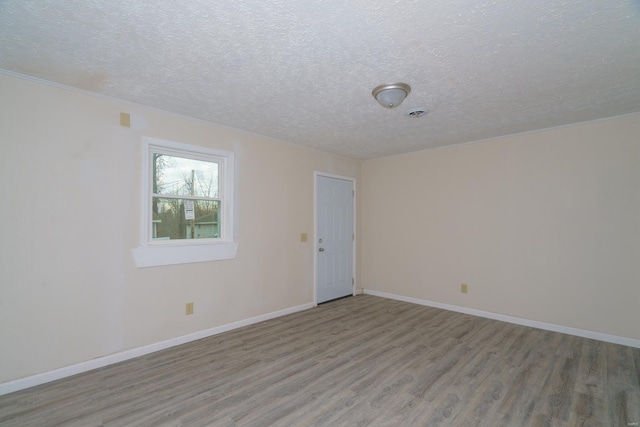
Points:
(166, 252)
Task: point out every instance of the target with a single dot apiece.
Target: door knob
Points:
(321, 249)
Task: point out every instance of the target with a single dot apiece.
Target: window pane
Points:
(185, 219)
(184, 177)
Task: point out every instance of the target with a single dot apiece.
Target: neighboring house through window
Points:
(187, 212)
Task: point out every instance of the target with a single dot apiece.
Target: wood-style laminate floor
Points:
(360, 361)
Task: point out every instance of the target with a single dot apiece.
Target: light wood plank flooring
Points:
(360, 361)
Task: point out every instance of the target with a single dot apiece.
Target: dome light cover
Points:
(391, 95)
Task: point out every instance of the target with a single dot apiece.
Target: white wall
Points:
(70, 213)
(542, 226)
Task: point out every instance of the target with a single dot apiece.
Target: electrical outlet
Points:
(463, 288)
(189, 308)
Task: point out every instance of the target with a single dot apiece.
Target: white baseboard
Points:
(67, 371)
(510, 319)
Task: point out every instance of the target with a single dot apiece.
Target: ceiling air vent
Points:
(416, 112)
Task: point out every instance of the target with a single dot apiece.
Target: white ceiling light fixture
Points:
(391, 95)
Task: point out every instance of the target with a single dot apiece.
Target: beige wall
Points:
(543, 226)
(70, 214)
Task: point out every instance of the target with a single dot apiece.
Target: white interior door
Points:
(334, 238)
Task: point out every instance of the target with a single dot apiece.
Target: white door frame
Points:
(316, 174)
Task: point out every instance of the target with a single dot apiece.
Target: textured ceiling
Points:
(303, 71)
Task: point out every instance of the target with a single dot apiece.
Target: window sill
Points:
(150, 256)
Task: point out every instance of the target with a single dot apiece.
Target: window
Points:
(185, 199)
(187, 204)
